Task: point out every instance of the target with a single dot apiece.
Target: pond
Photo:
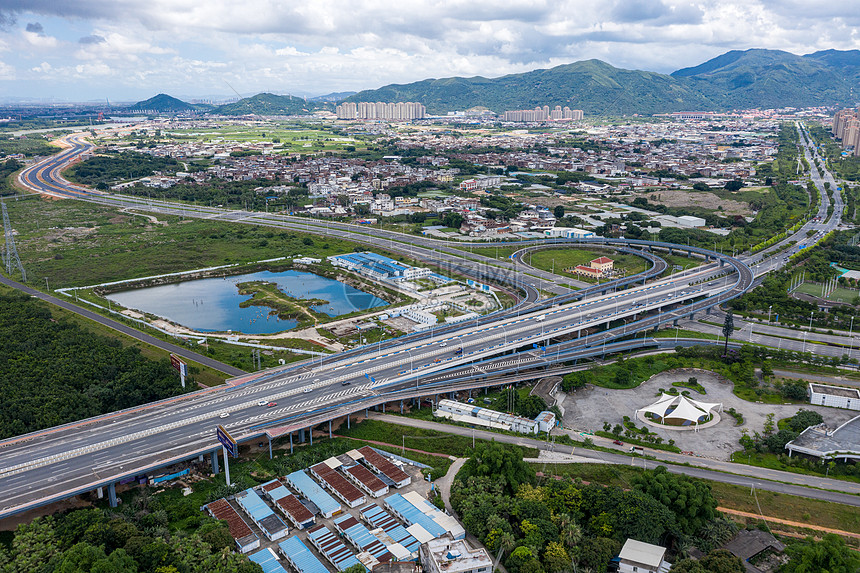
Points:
(212, 305)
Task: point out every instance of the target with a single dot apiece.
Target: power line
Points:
(10, 251)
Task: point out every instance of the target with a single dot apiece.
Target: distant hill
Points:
(592, 85)
(268, 104)
(163, 103)
(736, 79)
(332, 97)
(773, 79)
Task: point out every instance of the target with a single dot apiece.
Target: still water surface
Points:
(212, 305)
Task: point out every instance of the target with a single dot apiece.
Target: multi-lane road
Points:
(59, 462)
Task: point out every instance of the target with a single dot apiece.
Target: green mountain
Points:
(736, 79)
(773, 79)
(163, 103)
(267, 104)
(592, 85)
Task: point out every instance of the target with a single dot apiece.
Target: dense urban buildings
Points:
(380, 110)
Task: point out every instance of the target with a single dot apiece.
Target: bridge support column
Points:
(675, 322)
(100, 492)
(347, 421)
(708, 311)
(401, 406)
(722, 263)
(213, 458)
(291, 442)
(329, 429)
(302, 436)
(692, 315)
(671, 251)
(112, 494)
(270, 447)
(383, 407)
(366, 414)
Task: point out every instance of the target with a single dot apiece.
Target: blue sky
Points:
(77, 50)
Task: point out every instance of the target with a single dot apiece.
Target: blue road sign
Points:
(227, 441)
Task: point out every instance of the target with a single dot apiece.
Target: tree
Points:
(734, 185)
(699, 186)
(558, 212)
(689, 499)
(501, 463)
(555, 557)
(829, 555)
(357, 568)
(594, 553)
(728, 328)
(804, 418)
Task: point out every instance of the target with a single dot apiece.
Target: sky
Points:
(129, 50)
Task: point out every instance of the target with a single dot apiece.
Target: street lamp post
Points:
(810, 319)
(804, 341)
(771, 306)
(851, 338)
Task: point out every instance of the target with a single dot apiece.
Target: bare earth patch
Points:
(682, 198)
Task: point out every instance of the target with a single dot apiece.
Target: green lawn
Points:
(567, 258)
(838, 295)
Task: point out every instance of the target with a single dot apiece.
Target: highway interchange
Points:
(56, 463)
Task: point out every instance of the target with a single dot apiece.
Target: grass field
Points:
(561, 259)
(285, 138)
(73, 243)
(838, 295)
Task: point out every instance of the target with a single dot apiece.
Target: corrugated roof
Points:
(267, 559)
(379, 518)
(300, 557)
(332, 547)
(357, 534)
(313, 491)
(241, 531)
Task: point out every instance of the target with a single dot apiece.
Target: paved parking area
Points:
(587, 409)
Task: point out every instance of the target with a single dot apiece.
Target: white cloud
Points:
(326, 45)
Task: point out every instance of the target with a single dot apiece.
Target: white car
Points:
(262, 402)
(307, 389)
(224, 415)
(443, 344)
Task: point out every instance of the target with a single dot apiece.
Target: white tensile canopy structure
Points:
(687, 410)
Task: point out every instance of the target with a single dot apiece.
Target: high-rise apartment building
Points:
(543, 114)
(846, 126)
(403, 111)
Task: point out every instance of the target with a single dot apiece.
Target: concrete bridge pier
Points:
(112, 494)
(213, 458)
(401, 406)
(302, 436)
(708, 311)
(291, 442)
(329, 429)
(347, 422)
(383, 407)
(675, 322)
(311, 433)
(270, 446)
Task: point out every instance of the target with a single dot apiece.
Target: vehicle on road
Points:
(618, 442)
(540, 318)
(458, 352)
(262, 402)
(637, 450)
(346, 383)
(307, 389)
(271, 404)
(224, 415)
(443, 344)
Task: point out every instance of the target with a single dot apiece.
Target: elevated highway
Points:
(45, 466)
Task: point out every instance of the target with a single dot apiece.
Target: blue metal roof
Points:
(267, 560)
(357, 534)
(332, 547)
(413, 515)
(379, 518)
(300, 557)
(261, 513)
(314, 492)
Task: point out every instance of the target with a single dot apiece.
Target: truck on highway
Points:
(541, 317)
(458, 351)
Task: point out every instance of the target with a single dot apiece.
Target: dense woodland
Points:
(566, 525)
(53, 371)
(103, 170)
(133, 538)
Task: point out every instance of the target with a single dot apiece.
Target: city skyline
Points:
(92, 50)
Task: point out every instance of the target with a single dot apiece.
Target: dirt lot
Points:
(682, 198)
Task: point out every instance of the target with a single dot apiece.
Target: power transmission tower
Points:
(10, 252)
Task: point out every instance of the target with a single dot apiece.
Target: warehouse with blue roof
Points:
(385, 525)
(300, 557)
(267, 560)
(415, 510)
(332, 548)
(269, 523)
(302, 482)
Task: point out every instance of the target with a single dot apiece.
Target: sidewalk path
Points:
(787, 522)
